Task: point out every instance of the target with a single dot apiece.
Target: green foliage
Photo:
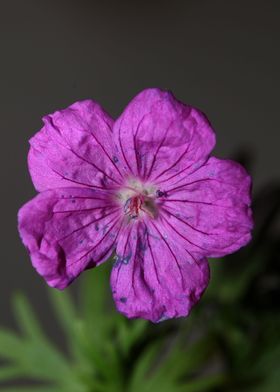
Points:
(229, 343)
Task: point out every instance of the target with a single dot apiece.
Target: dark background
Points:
(221, 56)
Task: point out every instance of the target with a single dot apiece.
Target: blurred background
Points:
(222, 57)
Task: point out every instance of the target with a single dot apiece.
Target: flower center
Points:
(138, 200)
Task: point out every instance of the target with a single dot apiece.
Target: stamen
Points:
(160, 193)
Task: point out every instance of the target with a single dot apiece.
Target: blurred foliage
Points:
(230, 342)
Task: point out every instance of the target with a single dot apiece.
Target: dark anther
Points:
(161, 193)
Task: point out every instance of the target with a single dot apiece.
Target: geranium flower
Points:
(142, 186)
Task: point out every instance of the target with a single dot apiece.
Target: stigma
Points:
(133, 206)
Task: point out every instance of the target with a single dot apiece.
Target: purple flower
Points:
(142, 186)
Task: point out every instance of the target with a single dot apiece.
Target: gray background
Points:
(221, 56)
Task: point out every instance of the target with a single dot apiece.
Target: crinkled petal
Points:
(210, 209)
(68, 230)
(154, 276)
(158, 137)
(74, 148)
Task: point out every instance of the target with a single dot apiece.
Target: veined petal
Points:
(154, 277)
(74, 148)
(211, 208)
(68, 230)
(158, 137)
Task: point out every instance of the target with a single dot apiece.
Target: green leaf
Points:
(204, 384)
(33, 355)
(64, 310)
(66, 315)
(129, 331)
(96, 300)
(11, 347)
(32, 389)
(26, 318)
(98, 329)
(9, 372)
(143, 367)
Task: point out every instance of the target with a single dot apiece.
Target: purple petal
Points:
(210, 208)
(74, 148)
(158, 137)
(154, 277)
(68, 230)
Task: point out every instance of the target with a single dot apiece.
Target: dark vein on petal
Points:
(83, 210)
(214, 248)
(85, 197)
(134, 143)
(134, 139)
(105, 120)
(157, 151)
(135, 261)
(88, 224)
(193, 182)
(76, 154)
(173, 254)
(175, 175)
(92, 164)
(176, 162)
(168, 212)
(127, 240)
(194, 202)
(101, 145)
(146, 114)
(110, 248)
(123, 154)
(126, 243)
(190, 173)
(99, 242)
(153, 257)
(189, 253)
(116, 239)
(78, 182)
(185, 238)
